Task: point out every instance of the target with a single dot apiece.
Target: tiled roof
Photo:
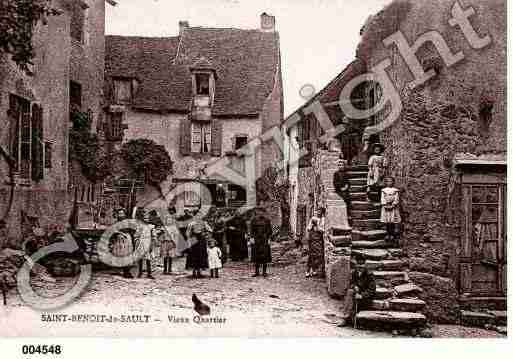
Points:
(330, 94)
(245, 61)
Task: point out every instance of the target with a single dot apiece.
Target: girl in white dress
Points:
(214, 259)
(390, 214)
(377, 165)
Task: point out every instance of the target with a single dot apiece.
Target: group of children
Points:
(385, 185)
(168, 240)
(162, 242)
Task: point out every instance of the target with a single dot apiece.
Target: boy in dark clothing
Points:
(342, 185)
(261, 232)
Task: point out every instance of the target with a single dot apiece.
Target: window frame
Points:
(205, 137)
(116, 81)
(23, 154)
(78, 17)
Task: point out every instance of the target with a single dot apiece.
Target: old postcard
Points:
(237, 168)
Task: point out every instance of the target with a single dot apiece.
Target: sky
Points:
(318, 38)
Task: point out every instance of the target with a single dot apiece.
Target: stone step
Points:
(383, 293)
(367, 224)
(407, 290)
(501, 316)
(476, 319)
(358, 196)
(358, 181)
(364, 205)
(390, 275)
(373, 319)
(357, 189)
(340, 231)
(374, 235)
(482, 304)
(358, 168)
(372, 214)
(340, 241)
(399, 305)
(396, 252)
(386, 264)
(357, 174)
(372, 254)
(370, 244)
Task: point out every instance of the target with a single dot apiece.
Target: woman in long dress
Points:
(236, 233)
(198, 232)
(315, 244)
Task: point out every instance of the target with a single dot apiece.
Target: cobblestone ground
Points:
(284, 304)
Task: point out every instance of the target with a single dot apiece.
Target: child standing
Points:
(377, 165)
(390, 215)
(214, 259)
(167, 238)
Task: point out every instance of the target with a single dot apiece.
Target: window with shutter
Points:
(77, 21)
(14, 139)
(185, 137)
(48, 155)
(37, 160)
(122, 91)
(75, 95)
(25, 144)
(201, 137)
(115, 127)
(217, 138)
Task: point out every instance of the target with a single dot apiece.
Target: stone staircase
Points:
(396, 305)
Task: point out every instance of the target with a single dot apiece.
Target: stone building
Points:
(203, 94)
(447, 151)
(35, 111)
(447, 148)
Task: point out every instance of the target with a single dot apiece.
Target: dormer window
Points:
(202, 84)
(123, 90)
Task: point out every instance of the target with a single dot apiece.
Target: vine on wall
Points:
(85, 148)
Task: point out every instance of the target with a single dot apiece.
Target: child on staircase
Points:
(390, 214)
(377, 166)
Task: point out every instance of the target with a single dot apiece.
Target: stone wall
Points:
(57, 61)
(337, 236)
(439, 119)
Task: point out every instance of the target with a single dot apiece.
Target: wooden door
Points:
(484, 245)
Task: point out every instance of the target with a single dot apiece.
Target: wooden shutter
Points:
(37, 143)
(217, 137)
(185, 137)
(48, 155)
(14, 141)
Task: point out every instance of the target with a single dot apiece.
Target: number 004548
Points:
(41, 349)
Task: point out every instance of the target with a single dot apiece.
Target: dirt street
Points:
(283, 304)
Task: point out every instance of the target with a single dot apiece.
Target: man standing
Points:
(342, 185)
(261, 232)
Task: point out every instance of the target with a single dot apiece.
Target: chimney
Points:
(267, 23)
(183, 25)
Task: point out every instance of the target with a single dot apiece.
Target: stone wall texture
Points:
(440, 119)
(58, 60)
